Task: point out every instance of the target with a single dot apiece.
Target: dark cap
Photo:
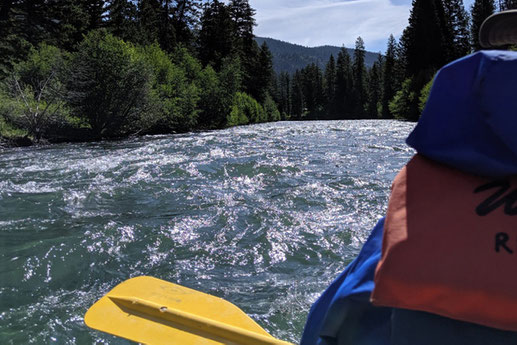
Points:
(500, 29)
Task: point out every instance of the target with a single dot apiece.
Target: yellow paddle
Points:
(153, 311)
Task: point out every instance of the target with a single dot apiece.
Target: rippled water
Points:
(264, 216)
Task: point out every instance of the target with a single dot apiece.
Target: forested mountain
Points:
(289, 57)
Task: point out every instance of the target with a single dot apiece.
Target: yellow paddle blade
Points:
(153, 311)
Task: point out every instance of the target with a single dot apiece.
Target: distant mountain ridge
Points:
(288, 57)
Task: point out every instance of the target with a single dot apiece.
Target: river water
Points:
(264, 216)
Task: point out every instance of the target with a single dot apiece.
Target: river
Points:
(264, 216)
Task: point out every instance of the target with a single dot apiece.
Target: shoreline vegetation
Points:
(109, 69)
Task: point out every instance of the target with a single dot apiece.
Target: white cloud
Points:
(333, 22)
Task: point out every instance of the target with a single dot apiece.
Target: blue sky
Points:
(333, 22)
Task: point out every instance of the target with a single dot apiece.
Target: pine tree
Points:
(148, 21)
(121, 19)
(481, 9)
(284, 94)
(242, 16)
(389, 78)
(359, 79)
(456, 29)
(244, 43)
(297, 100)
(185, 19)
(262, 75)
(312, 81)
(422, 40)
(424, 47)
(215, 39)
(343, 85)
(95, 11)
(329, 87)
(374, 90)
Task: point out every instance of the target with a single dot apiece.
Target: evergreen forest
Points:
(77, 70)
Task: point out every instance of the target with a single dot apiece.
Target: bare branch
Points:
(22, 94)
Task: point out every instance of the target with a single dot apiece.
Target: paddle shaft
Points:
(213, 327)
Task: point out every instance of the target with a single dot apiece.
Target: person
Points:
(440, 267)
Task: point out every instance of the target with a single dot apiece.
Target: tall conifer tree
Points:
(263, 74)
(284, 94)
(344, 76)
(422, 40)
(374, 90)
(481, 10)
(245, 45)
(389, 77)
(424, 47)
(359, 79)
(456, 29)
(297, 100)
(185, 18)
(149, 21)
(329, 88)
(121, 19)
(215, 39)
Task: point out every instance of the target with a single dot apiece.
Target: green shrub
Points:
(400, 105)
(215, 103)
(272, 113)
(110, 85)
(174, 98)
(9, 131)
(245, 109)
(424, 95)
(32, 97)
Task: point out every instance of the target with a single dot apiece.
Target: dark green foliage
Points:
(151, 24)
(284, 95)
(136, 75)
(121, 19)
(185, 19)
(389, 82)
(456, 29)
(109, 85)
(261, 75)
(374, 91)
(329, 88)
(422, 40)
(245, 109)
(344, 85)
(32, 96)
(174, 97)
(424, 95)
(359, 80)
(428, 43)
(404, 100)
(217, 93)
(481, 9)
(215, 37)
(243, 22)
(271, 110)
(312, 91)
(298, 106)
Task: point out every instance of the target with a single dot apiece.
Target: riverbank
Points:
(15, 142)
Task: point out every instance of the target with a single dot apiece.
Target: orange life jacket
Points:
(450, 245)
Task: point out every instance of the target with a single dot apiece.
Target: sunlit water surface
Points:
(264, 216)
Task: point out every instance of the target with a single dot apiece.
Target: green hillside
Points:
(288, 57)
